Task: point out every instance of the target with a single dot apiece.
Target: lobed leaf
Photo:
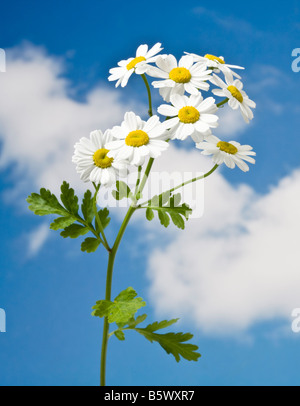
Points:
(149, 214)
(45, 203)
(122, 191)
(103, 216)
(74, 231)
(87, 207)
(90, 244)
(62, 222)
(167, 208)
(173, 343)
(161, 324)
(68, 198)
(120, 335)
(122, 309)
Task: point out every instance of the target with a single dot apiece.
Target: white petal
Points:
(163, 83)
(186, 61)
(154, 50)
(172, 122)
(142, 50)
(189, 88)
(167, 110)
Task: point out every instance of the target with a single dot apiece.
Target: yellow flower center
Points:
(101, 159)
(137, 138)
(136, 60)
(236, 93)
(188, 114)
(214, 58)
(180, 75)
(227, 147)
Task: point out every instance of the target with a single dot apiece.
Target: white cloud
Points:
(40, 122)
(237, 265)
(231, 124)
(36, 239)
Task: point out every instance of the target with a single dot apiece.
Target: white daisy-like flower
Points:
(138, 64)
(217, 63)
(138, 139)
(238, 98)
(93, 161)
(231, 153)
(191, 115)
(184, 76)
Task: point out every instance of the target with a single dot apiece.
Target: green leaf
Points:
(90, 244)
(103, 216)
(160, 200)
(122, 191)
(87, 207)
(69, 199)
(161, 324)
(163, 217)
(126, 295)
(62, 222)
(168, 207)
(132, 323)
(45, 203)
(173, 343)
(149, 214)
(74, 231)
(122, 309)
(120, 335)
(175, 199)
(177, 220)
(101, 308)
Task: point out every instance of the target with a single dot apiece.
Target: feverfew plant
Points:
(106, 157)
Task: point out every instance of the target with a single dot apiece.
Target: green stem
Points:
(142, 205)
(145, 177)
(138, 179)
(113, 251)
(105, 243)
(110, 267)
(222, 102)
(149, 94)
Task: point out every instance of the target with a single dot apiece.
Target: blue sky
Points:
(58, 57)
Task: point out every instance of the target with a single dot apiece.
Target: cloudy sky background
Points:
(233, 277)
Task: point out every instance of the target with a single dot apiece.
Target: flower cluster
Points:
(104, 157)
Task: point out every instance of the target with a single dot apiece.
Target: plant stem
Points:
(113, 251)
(145, 177)
(105, 243)
(222, 102)
(110, 267)
(149, 94)
(142, 205)
(138, 179)
(194, 179)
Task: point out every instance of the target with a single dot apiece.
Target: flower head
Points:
(217, 64)
(184, 76)
(231, 153)
(93, 161)
(238, 98)
(138, 139)
(137, 64)
(191, 115)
